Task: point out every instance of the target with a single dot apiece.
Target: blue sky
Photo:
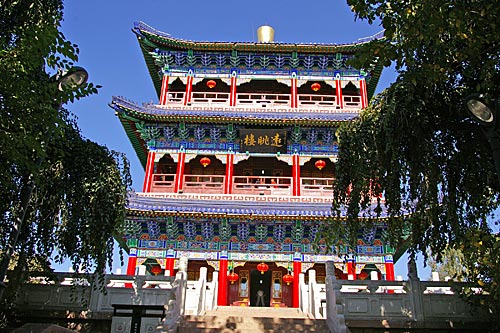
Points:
(111, 54)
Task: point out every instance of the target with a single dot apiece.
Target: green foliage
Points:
(415, 143)
(482, 255)
(451, 264)
(75, 189)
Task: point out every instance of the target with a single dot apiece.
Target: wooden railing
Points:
(163, 183)
(203, 184)
(264, 100)
(262, 185)
(317, 101)
(352, 102)
(316, 187)
(253, 185)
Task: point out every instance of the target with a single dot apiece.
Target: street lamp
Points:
(66, 80)
(71, 79)
(485, 111)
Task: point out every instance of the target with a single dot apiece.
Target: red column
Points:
(338, 93)
(189, 90)
(222, 290)
(293, 93)
(296, 175)
(131, 265)
(351, 269)
(164, 89)
(389, 268)
(169, 265)
(363, 93)
(148, 177)
(132, 262)
(297, 268)
(232, 91)
(228, 181)
(179, 173)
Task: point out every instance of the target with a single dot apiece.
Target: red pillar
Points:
(363, 93)
(222, 290)
(189, 90)
(351, 269)
(179, 173)
(228, 179)
(297, 268)
(148, 177)
(131, 265)
(132, 262)
(232, 91)
(164, 90)
(169, 265)
(293, 92)
(338, 93)
(296, 175)
(389, 268)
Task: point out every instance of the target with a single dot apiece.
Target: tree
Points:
(415, 143)
(451, 264)
(72, 190)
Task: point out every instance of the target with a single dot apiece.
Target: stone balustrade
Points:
(78, 299)
(400, 304)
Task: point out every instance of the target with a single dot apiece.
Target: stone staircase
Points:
(237, 319)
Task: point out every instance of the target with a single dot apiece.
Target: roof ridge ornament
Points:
(265, 34)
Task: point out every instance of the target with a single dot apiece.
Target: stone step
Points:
(252, 319)
(257, 312)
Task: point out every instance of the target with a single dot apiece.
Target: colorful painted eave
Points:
(130, 113)
(151, 39)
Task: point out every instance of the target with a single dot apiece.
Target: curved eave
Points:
(375, 77)
(151, 39)
(133, 135)
(162, 39)
(153, 114)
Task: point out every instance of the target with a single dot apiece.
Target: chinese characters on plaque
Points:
(263, 140)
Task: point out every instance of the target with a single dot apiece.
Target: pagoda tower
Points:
(239, 155)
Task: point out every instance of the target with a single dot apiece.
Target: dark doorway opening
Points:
(260, 288)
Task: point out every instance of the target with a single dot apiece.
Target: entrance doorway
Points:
(260, 288)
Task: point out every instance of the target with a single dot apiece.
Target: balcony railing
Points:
(250, 185)
(264, 100)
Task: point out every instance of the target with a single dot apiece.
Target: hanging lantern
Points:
(205, 161)
(320, 164)
(262, 267)
(211, 84)
(156, 270)
(315, 86)
(288, 278)
(232, 277)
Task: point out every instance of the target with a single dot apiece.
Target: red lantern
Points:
(315, 86)
(156, 269)
(232, 277)
(262, 267)
(288, 278)
(320, 164)
(205, 161)
(211, 84)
